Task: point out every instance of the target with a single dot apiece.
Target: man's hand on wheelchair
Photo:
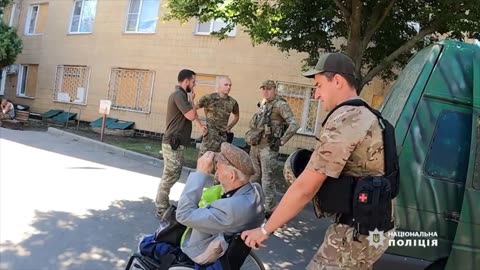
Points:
(254, 238)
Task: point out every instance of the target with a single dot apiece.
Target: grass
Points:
(151, 147)
(147, 146)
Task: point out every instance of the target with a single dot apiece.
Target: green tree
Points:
(379, 35)
(10, 43)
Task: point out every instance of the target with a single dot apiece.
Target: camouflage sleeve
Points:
(202, 102)
(288, 116)
(344, 130)
(236, 109)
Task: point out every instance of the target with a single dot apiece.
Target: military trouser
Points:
(340, 251)
(172, 168)
(212, 142)
(265, 162)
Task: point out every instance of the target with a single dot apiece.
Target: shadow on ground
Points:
(298, 241)
(104, 239)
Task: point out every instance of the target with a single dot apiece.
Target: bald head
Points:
(224, 86)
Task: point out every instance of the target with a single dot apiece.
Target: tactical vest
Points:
(364, 203)
(262, 127)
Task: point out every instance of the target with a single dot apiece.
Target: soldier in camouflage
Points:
(350, 143)
(218, 108)
(271, 127)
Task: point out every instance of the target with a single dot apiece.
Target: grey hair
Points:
(242, 177)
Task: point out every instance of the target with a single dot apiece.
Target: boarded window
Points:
(71, 84)
(205, 84)
(131, 89)
(10, 12)
(303, 105)
(36, 19)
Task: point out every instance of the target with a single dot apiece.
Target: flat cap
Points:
(235, 157)
(268, 84)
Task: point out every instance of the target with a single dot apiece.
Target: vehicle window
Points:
(450, 147)
(403, 86)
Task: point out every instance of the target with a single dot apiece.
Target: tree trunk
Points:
(355, 36)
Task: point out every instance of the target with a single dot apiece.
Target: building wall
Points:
(171, 48)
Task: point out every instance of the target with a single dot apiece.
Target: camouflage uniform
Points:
(172, 168)
(350, 143)
(265, 154)
(217, 112)
(179, 129)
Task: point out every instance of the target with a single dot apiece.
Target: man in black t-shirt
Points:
(180, 115)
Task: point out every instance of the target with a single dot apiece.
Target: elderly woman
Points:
(7, 110)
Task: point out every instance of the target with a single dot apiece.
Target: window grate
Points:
(71, 84)
(131, 89)
(301, 100)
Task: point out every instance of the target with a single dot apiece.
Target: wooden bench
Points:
(21, 117)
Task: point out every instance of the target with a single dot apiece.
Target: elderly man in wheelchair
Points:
(210, 220)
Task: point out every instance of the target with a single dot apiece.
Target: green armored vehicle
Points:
(435, 108)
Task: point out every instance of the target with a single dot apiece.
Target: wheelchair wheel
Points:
(252, 262)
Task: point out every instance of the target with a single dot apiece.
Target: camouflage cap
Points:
(332, 62)
(268, 84)
(236, 157)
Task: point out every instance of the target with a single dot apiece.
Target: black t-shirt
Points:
(177, 124)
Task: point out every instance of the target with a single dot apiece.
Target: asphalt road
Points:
(71, 204)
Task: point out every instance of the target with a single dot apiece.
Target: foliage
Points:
(10, 42)
(379, 35)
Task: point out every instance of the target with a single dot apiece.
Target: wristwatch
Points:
(263, 230)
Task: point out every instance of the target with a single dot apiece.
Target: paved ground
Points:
(68, 203)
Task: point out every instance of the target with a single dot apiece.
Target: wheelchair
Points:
(238, 256)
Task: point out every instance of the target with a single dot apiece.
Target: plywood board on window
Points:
(206, 84)
(32, 76)
(7, 11)
(42, 18)
(296, 105)
(11, 85)
(131, 89)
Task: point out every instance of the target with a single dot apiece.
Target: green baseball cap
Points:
(332, 62)
(268, 84)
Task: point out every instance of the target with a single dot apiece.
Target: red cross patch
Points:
(363, 197)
